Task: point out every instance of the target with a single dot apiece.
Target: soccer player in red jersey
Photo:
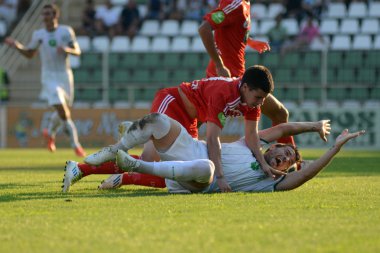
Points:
(210, 101)
(231, 23)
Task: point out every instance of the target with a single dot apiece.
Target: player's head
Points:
(50, 12)
(282, 156)
(256, 84)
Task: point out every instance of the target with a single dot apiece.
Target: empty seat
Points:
(171, 60)
(3, 28)
(140, 44)
(349, 26)
(291, 26)
(318, 45)
(353, 59)
(150, 28)
(150, 60)
(362, 42)
(180, 44)
(357, 10)
(341, 42)
(329, 26)
(265, 25)
(101, 43)
(189, 28)
(120, 44)
(84, 43)
(197, 45)
(170, 28)
(336, 10)
(274, 9)
(376, 43)
(258, 11)
(374, 9)
(366, 75)
(370, 26)
(160, 44)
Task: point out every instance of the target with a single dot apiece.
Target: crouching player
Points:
(187, 168)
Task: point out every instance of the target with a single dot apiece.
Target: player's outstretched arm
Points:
(28, 53)
(297, 178)
(322, 127)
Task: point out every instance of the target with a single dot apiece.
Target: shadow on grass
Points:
(81, 194)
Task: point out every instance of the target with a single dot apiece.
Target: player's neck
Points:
(51, 27)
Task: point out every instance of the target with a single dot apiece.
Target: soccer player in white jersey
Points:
(54, 43)
(194, 172)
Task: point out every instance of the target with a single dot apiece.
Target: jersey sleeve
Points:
(224, 15)
(35, 41)
(252, 114)
(69, 38)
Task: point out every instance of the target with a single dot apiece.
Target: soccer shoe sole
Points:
(102, 156)
(113, 182)
(71, 176)
(125, 161)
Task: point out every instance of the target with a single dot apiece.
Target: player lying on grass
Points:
(194, 172)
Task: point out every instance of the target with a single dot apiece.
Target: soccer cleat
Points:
(104, 155)
(50, 140)
(126, 162)
(72, 175)
(123, 127)
(113, 182)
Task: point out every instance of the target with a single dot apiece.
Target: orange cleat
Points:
(50, 140)
(79, 151)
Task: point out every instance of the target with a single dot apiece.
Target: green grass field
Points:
(339, 211)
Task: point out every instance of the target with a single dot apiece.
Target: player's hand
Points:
(61, 50)
(324, 129)
(223, 71)
(223, 185)
(10, 42)
(259, 46)
(345, 136)
(271, 172)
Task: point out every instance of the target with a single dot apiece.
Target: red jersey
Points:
(216, 98)
(231, 23)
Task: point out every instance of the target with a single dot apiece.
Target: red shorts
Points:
(169, 102)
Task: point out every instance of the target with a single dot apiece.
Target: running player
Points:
(56, 42)
(225, 34)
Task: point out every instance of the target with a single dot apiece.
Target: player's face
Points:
(281, 158)
(253, 98)
(47, 15)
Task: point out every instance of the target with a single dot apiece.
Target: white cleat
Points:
(113, 182)
(104, 155)
(123, 127)
(72, 175)
(126, 162)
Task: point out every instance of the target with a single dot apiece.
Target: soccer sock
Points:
(197, 170)
(54, 123)
(143, 179)
(286, 140)
(72, 131)
(104, 168)
(153, 125)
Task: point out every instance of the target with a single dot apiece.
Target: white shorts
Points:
(57, 88)
(185, 148)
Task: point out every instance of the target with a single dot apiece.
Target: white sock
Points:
(200, 170)
(54, 123)
(72, 131)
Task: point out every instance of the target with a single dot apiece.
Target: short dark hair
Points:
(258, 77)
(54, 7)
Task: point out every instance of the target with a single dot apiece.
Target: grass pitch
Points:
(339, 211)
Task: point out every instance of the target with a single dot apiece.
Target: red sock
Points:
(143, 179)
(104, 168)
(286, 140)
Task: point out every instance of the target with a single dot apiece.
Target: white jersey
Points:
(241, 170)
(56, 75)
